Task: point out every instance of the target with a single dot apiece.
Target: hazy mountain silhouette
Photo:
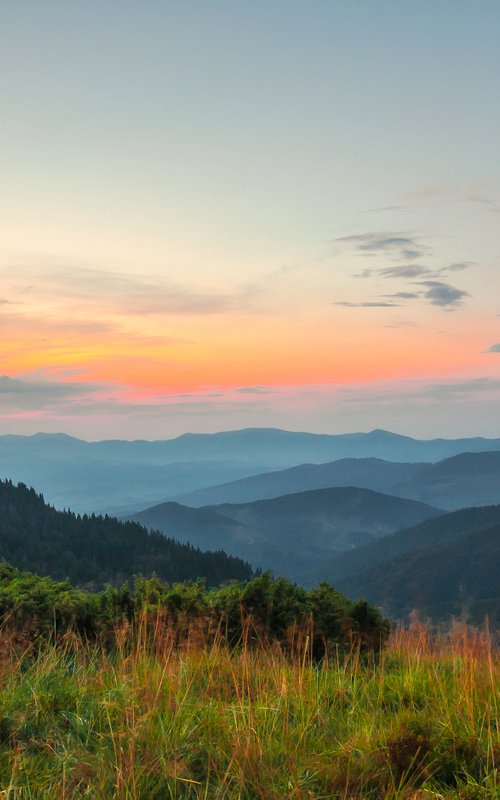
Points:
(202, 527)
(464, 480)
(365, 473)
(293, 534)
(123, 475)
(468, 479)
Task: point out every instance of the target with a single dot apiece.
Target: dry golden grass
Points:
(156, 718)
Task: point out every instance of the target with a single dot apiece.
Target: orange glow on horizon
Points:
(185, 354)
(240, 360)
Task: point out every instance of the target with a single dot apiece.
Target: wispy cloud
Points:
(47, 327)
(255, 390)
(368, 304)
(407, 249)
(134, 295)
(466, 390)
(405, 295)
(408, 271)
(84, 288)
(405, 271)
(22, 395)
(365, 273)
(414, 391)
(396, 245)
(458, 266)
(442, 294)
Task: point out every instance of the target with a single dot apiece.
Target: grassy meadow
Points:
(154, 719)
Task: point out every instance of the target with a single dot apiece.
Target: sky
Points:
(225, 214)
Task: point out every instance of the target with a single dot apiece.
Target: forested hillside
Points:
(442, 567)
(92, 550)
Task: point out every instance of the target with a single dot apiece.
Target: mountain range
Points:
(292, 535)
(463, 480)
(118, 476)
(366, 512)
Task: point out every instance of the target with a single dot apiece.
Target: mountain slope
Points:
(294, 533)
(92, 551)
(446, 528)
(364, 473)
(467, 479)
(202, 527)
(448, 565)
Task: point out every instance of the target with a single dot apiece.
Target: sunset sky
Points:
(226, 214)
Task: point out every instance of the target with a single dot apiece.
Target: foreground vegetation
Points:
(257, 690)
(262, 609)
(153, 718)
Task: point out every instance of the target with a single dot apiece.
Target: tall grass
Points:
(152, 719)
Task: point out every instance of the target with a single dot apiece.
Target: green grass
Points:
(155, 721)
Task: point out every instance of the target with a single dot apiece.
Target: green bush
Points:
(262, 609)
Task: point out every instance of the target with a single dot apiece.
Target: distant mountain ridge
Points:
(466, 479)
(124, 475)
(245, 443)
(463, 480)
(365, 473)
(293, 534)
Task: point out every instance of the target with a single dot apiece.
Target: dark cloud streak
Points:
(396, 245)
(442, 294)
(405, 271)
